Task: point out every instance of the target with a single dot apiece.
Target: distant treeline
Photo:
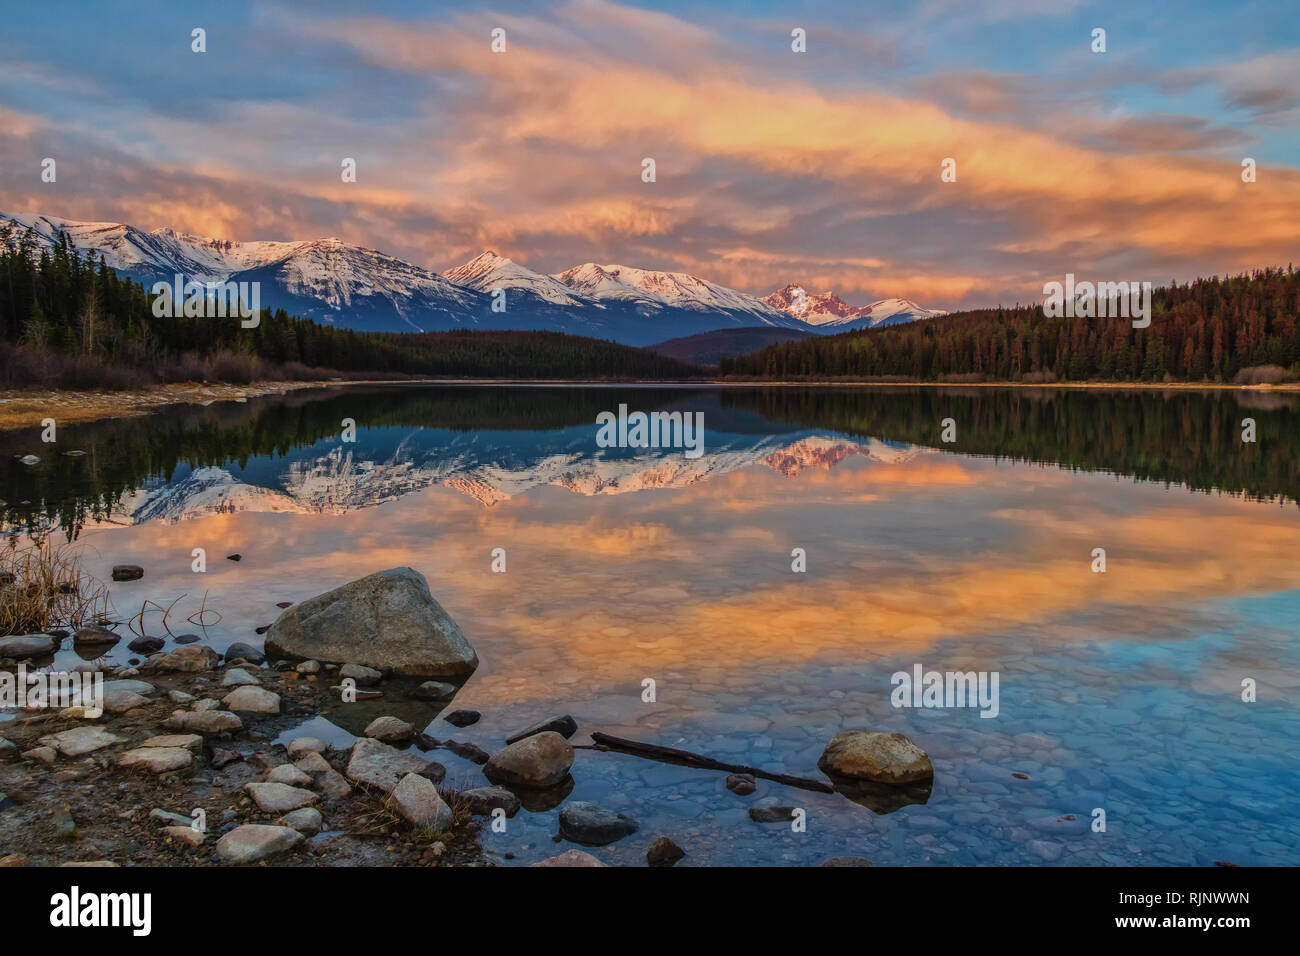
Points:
(1243, 328)
(67, 321)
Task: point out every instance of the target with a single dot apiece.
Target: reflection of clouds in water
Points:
(900, 556)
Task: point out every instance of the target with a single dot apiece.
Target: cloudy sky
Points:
(821, 167)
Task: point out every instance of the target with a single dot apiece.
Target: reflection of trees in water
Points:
(1182, 437)
(1191, 438)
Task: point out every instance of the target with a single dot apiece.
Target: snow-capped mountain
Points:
(650, 292)
(488, 272)
(827, 312)
(338, 283)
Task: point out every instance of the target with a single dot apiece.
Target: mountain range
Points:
(337, 283)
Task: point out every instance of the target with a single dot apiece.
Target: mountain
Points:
(337, 283)
(710, 348)
(827, 312)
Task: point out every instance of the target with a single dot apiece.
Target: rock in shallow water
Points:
(875, 756)
(564, 725)
(664, 852)
(462, 718)
(28, 645)
(483, 800)
(741, 784)
(386, 620)
(571, 858)
(593, 825)
(127, 572)
(389, 730)
(539, 761)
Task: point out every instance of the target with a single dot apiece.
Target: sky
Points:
(772, 166)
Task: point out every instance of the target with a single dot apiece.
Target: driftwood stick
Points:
(673, 755)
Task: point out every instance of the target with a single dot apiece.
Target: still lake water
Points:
(1119, 691)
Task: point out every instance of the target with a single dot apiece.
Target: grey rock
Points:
(28, 645)
(741, 784)
(94, 634)
(481, 801)
(389, 730)
(378, 765)
(564, 725)
(238, 677)
(204, 722)
(242, 651)
(80, 741)
(157, 759)
(387, 619)
(364, 676)
(253, 700)
(290, 775)
(462, 718)
(145, 645)
(279, 797)
(593, 825)
(434, 690)
(166, 818)
(307, 821)
(417, 800)
(127, 572)
(256, 841)
(304, 745)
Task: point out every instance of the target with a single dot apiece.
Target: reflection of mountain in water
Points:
(489, 467)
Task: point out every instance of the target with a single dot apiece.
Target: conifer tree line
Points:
(68, 320)
(1242, 328)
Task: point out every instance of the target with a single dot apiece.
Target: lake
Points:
(1120, 691)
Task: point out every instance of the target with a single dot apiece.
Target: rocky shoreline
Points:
(196, 758)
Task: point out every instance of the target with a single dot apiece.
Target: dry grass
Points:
(43, 586)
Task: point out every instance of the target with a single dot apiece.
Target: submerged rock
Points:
(877, 757)
(434, 690)
(539, 761)
(741, 784)
(571, 858)
(664, 852)
(385, 620)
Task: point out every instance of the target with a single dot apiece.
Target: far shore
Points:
(22, 408)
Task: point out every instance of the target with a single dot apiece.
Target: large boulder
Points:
(386, 620)
(877, 757)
